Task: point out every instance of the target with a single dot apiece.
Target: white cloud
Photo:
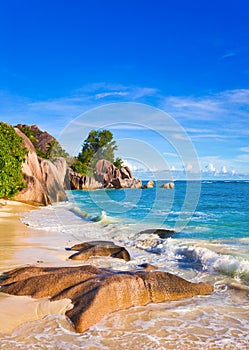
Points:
(108, 94)
(229, 54)
(170, 154)
(224, 170)
(244, 149)
(210, 168)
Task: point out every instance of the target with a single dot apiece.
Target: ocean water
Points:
(211, 243)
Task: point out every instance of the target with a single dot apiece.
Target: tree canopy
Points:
(98, 145)
(53, 148)
(12, 155)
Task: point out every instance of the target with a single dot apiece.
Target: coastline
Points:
(20, 246)
(217, 321)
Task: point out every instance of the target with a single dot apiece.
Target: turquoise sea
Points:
(210, 243)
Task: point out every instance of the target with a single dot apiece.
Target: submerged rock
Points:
(99, 248)
(97, 292)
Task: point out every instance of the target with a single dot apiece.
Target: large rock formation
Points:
(42, 138)
(44, 183)
(76, 181)
(96, 292)
(106, 176)
(112, 177)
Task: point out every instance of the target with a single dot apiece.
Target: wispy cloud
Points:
(217, 121)
(244, 149)
(229, 54)
(108, 94)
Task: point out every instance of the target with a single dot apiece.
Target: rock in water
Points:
(112, 177)
(96, 292)
(149, 184)
(99, 248)
(162, 233)
(168, 185)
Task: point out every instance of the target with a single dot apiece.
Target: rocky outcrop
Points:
(61, 166)
(112, 177)
(168, 185)
(124, 183)
(42, 138)
(149, 184)
(96, 292)
(76, 181)
(43, 181)
(99, 248)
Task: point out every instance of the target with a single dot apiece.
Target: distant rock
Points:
(90, 249)
(125, 173)
(76, 181)
(106, 172)
(97, 292)
(168, 185)
(124, 183)
(149, 184)
(43, 182)
(112, 177)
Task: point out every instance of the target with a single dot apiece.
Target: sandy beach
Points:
(19, 247)
(217, 321)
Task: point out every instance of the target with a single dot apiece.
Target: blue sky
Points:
(190, 59)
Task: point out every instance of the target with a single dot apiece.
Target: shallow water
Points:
(213, 246)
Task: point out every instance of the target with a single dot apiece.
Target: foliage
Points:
(79, 167)
(12, 155)
(54, 150)
(119, 163)
(98, 145)
(29, 133)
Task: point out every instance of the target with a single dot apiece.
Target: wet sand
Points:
(19, 247)
(218, 321)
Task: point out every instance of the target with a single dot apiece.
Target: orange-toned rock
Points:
(43, 182)
(149, 184)
(99, 248)
(97, 292)
(168, 185)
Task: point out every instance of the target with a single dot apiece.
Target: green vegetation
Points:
(12, 155)
(98, 145)
(54, 149)
(119, 163)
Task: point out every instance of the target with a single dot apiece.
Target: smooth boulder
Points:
(168, 185)
(149, 184)
(97, 292)
(91, 249)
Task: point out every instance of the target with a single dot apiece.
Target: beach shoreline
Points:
(217, 321)
(21, 246)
